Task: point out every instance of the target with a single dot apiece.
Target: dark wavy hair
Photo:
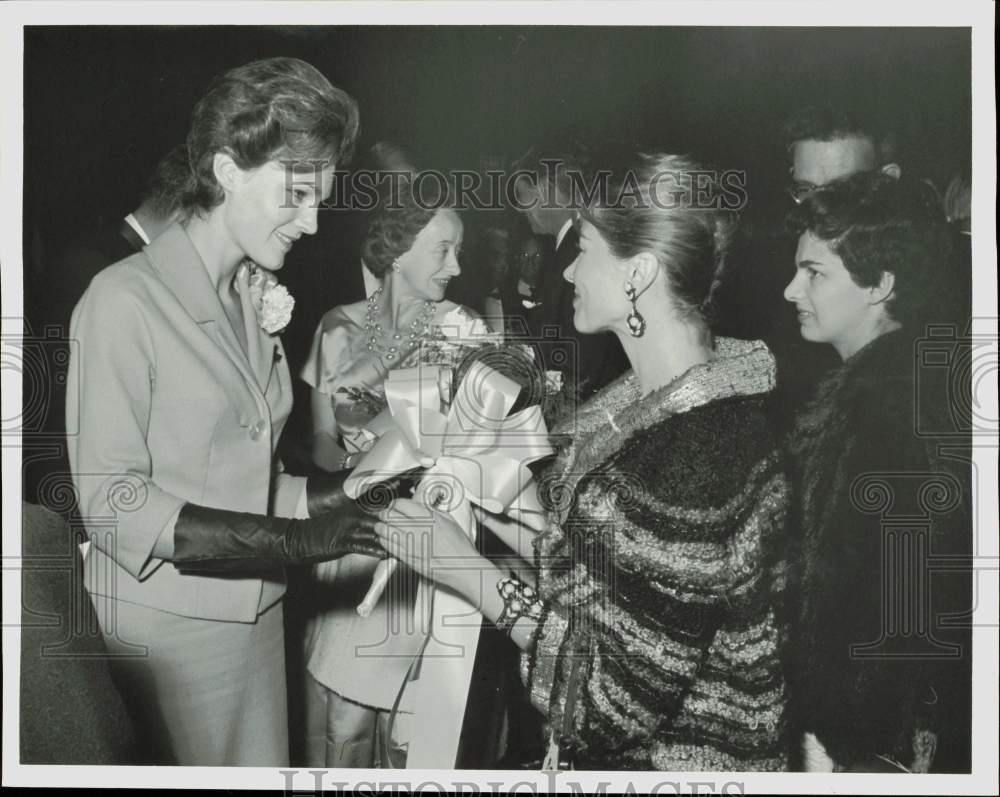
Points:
(831, 122)
(657, 204)
(554, 161)
(273, 109)
(876, 223)
(395, 224)
(170, 172)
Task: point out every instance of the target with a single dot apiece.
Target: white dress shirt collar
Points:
(132, 222)
(563, 231)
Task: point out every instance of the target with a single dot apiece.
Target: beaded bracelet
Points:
(519, 600)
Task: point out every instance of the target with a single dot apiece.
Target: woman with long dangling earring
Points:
(636, 323)
(356, 665)
(652, 621)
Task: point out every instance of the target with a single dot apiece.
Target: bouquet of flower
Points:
(454, 361)
(366, 400)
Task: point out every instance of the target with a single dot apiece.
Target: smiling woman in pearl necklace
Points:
(413, 250)
(396, 347)
(357, 664)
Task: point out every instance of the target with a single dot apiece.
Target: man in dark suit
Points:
(73, 269)
(588, 361)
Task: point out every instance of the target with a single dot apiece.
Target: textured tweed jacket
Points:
(880, 668)
(662, 572)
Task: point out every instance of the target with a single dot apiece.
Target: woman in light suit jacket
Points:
(180, 391)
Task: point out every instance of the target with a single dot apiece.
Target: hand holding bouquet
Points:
(471, 437)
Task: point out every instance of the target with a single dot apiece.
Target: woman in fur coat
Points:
(650, 638)
(880, 667)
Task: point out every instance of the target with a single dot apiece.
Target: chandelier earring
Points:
(395, 266)
(636, 323)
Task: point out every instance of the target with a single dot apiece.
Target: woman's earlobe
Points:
(643, 272)
(892, 170)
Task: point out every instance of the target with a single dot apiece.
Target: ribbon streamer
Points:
(479, 455)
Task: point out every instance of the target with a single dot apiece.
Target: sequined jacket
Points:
(662, 571)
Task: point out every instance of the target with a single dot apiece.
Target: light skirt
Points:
(202, 692)
(343, 734)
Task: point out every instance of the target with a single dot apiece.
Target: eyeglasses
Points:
(798, 191)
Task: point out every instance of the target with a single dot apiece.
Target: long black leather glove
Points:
(325, 492)
(210, 540)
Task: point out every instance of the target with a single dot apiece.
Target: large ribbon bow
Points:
(476, 442)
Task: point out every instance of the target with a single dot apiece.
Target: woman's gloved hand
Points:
(211, 540)
(325, 492)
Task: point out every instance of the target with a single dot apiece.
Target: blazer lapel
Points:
(179, 265)
(261, 347)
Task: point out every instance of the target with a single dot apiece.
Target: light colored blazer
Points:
(165, 408)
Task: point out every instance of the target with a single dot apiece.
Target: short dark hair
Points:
(876, 223)
(830, 122)
(387, 155)
(171, 171)
(394, 225)
(272, 109)
(554, 161)
(690, 241)
(543, 242)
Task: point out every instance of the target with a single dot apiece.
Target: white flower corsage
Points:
(271, 300)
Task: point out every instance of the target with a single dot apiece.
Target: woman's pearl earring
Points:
(636, 323)
(395, 266)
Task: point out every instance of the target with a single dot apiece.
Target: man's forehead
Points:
(819, 162)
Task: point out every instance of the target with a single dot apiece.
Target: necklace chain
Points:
(374, 332)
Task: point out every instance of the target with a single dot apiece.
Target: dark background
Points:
(103, 104)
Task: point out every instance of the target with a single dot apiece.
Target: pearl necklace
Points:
(373, 329)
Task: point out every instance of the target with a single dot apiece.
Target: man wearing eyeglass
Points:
(829, 143)
(825, 143)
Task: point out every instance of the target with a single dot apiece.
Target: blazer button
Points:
(257, 430)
